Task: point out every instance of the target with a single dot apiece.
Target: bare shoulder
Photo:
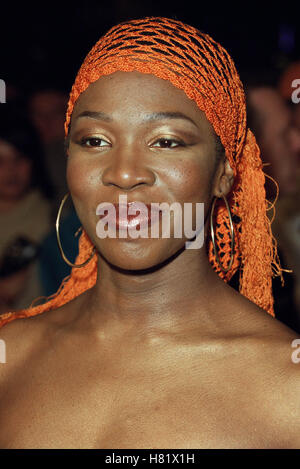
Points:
(275, 344)
(277, 359)
(249, 319)
(23, 339)
(273, 362)
(20, 338)
(264, 356)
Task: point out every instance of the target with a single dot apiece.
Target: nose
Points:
(127, 170)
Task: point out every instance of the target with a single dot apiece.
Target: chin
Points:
(136, 255)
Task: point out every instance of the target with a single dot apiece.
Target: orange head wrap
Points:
(195, 63)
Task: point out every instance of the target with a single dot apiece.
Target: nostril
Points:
(127, 180)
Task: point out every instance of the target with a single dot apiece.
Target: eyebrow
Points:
(95, 115)
(98, 115)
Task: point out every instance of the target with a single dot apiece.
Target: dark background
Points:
(46, 43)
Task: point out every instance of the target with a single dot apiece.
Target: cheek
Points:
(83, 182)
(81, 177)
(192, 180)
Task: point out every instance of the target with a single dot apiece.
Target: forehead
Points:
(136, 92)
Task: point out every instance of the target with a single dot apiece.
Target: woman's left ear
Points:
(224, 179)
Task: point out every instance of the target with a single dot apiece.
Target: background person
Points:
(25, 209)
(287, 89)
(271, 120)
(292, 226)
(47, 107)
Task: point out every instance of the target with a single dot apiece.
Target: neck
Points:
(172, 298)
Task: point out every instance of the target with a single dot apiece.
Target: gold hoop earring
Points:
(58, 237)
(213, 234)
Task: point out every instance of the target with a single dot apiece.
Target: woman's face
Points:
(15, 172)
(150, 142)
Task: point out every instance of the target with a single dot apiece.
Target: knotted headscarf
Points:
(193, 62)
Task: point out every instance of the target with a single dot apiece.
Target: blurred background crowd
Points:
(41, 50)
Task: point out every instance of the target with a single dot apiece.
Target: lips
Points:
(130, 215)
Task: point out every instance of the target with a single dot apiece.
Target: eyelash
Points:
(179, 143)
(84, 140)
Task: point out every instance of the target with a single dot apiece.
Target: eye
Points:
(94, 142)
(168, 143)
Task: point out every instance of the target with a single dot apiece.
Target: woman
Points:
(146, 345)
(25, 209)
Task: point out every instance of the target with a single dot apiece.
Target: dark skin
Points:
(160, 353)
